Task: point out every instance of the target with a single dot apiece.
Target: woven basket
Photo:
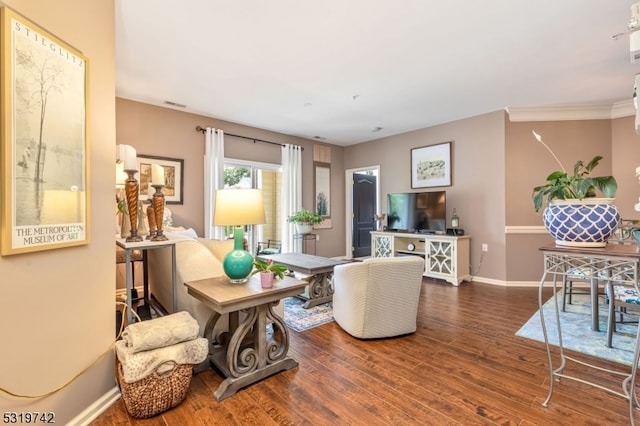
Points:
(155, 393)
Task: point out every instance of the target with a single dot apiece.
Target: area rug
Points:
(300, 319)
(577, 334)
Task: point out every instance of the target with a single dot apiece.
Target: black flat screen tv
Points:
(417, 212)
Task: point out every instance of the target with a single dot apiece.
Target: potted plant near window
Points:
(268, 271)
(574, 216)
(304, 220)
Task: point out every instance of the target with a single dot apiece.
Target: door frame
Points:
(348, 218)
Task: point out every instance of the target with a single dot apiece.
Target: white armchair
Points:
(378, 297)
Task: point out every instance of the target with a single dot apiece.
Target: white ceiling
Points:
(337, 69)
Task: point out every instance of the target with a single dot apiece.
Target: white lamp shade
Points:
(121, 176)
(234, 207)
(127, 154)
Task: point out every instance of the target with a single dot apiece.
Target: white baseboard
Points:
(512, 283)
(94, 410)
(489, 281)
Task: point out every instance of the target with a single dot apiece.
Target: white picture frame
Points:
(431, 166)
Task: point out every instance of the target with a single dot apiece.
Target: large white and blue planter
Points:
(581, 223)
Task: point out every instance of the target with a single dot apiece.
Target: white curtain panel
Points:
(291, 200)
(213, 179)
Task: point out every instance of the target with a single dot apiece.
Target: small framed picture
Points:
(431, 166)
(173, 177)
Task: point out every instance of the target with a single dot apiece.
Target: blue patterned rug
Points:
(576, 330)
(300, 319)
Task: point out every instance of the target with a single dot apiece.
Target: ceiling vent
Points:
(175, 104)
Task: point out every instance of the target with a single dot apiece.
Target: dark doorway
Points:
(364, 209)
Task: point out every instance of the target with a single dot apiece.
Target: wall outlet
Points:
(485, 247)
(317, 237)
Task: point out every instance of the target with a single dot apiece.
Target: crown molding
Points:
(573, 112)
(623, 109)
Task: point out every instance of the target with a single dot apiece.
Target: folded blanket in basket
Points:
(160, 332)
(138, 365)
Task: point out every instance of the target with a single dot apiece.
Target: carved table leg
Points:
(214, 342)
(320, 290)
(250, 355)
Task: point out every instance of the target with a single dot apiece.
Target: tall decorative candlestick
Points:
(158, 210)
(131, 188)
(151, 217)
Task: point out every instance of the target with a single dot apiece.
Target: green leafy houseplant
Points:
(562, 186)
(306, 216)
(261, 265)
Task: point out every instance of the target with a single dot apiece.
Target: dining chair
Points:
(623, 296)
(579, 274)
(269, 247)
(624, 300)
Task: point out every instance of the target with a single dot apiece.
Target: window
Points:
(268, 177)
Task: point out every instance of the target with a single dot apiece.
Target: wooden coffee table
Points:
(320, 270)
(249, 352)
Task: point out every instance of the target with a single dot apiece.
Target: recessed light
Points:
(320, 138)
(308, 104)
(376, 129)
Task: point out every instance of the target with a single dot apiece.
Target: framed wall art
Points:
(431, 166)
(173, 177)
(44, 144)
(322, 183)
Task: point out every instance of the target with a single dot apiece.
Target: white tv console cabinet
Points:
(446, 257)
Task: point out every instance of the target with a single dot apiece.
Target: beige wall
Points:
(570, 140)
(57, 313)
(58, 310)
(167, 132)
(477, 190)
(496, 164)
(528, 163)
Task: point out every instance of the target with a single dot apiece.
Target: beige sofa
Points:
(196, 258)
(378, 297)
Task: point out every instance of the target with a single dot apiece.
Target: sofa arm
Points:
(193, 262)
(219, 248)
(196, 259)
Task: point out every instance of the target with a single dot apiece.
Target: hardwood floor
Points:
(463, 366)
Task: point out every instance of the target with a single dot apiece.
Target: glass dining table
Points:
(614, 263)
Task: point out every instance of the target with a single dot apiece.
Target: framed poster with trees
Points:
(44, 146)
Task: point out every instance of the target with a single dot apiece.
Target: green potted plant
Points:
(305, 219)
(268, 271)
(574, 216)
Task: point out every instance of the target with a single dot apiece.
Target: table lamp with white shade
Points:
(238, 207)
